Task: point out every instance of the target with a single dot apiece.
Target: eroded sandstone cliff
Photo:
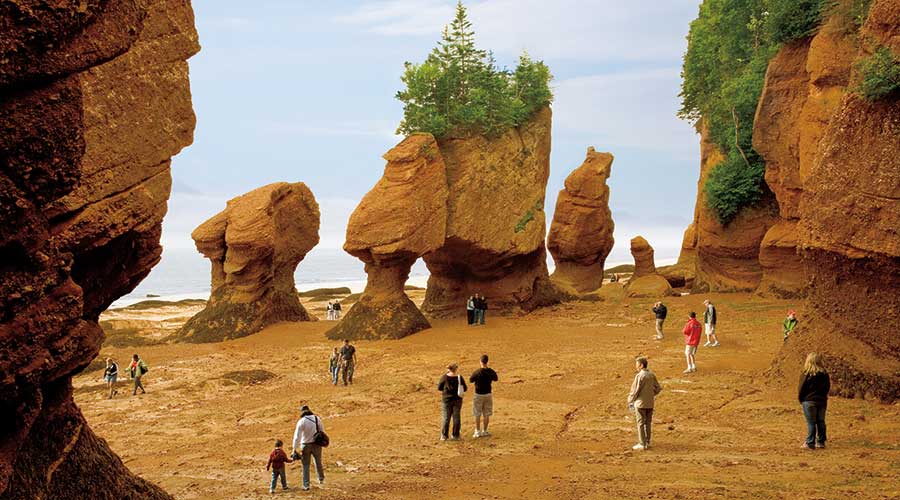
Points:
(401, 219)
(496, 225)
(254, 246)
(94, 100)
(581, 234)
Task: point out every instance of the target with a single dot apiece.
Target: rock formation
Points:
(402, 218)
(643, 257)
(96, 100)
(254, 245)
(494, 241)
(645, 282)
(581, 235)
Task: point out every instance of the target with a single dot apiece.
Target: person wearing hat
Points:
(304, 441)
(790, 323)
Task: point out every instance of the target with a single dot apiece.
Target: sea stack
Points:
(254, 246)
(401, 219)
(581, 235)
(645, 282)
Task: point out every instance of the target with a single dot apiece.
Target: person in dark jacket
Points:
(709, 320)
(451, 400)
(813, 396)
(660, 310)
(483, 305)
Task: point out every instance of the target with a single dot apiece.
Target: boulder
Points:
(494, 241)
(96, 100)
(254, 245)
(581, 235)
(648, 286)
(402, 218)
(643, 257)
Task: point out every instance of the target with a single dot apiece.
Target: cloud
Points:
(601, 30)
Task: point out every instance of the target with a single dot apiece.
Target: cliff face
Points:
(494, 241)
(95, 102)
(402, 218)
(581, 235)
(254, 246)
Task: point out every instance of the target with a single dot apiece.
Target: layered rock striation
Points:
(495, 229)
(96, 100)
(581, 234)
(401, 219)
(254, 246)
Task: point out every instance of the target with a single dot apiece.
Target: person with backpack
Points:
(452, 387)
(137, 369)
(309, 440)
(790, 323)
(813, 395)
(709, 319)
(110, 375)
(644, 390)
(660, 310)
(691, 333)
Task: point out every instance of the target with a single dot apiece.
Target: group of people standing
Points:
(692, 330)
(342, 363)
(136, 370)
(333, 311)
(476, 307)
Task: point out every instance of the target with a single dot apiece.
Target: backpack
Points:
(143, 368)
(320, 438)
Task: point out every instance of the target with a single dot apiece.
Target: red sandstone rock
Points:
(495, 233)
(254, 245)
(95, 101)
(645, 282)
(581, 235)
(402, 218)
(643, 257)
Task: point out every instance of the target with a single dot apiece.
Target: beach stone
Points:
(581, 235)
(96, 101)
(402, 218)
(254, 246)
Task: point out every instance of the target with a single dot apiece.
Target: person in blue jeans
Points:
(305, 447)
(334, 365)
(452, 385)
(277, 459)
(813, 396)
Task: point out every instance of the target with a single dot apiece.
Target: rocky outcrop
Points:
(645, 282)
(681, 274)
(401, 219)
(642, 252)
(581, 235)
(96, 100)
(783, 275)
(494, 241)
(254, 245)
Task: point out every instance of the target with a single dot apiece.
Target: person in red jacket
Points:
(277, 460)
(691, 331)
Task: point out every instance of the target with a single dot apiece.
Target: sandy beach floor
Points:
(560, 429)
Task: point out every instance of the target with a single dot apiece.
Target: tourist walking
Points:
(483, 401)
(336, 310)
(660, 310)
(790, 323)
(813, 395)
(329, 311)
(334, 365)
(641, 399)
(452, 387)
(691, 333)
(309, 439)
(348, 362)
(276, 462)
(137, 369)
(470, 310)
(110, 375)
(709, 319)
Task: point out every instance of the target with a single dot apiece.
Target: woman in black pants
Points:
(452, 386)
(813, 396)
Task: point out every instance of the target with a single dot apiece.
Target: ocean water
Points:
(185, 274)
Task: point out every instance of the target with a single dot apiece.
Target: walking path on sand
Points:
(561, 429)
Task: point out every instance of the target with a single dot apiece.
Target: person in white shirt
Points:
(304, 433)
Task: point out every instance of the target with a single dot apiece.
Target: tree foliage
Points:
(879, 75)
(459, 89)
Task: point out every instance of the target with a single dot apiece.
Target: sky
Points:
(291, 90)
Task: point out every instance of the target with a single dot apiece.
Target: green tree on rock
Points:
(460, 90)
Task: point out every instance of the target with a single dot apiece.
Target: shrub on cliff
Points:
(460, 90)
(879, 75)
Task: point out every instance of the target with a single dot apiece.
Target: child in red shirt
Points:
(277, 460)
(691, 331)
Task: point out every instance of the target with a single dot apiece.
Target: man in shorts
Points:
(709, 318)
(691, 333)
(483, 402)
